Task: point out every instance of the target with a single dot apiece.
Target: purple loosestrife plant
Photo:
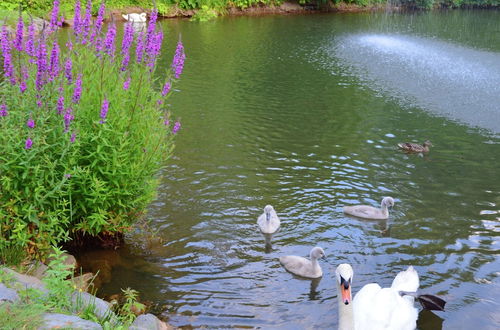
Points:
(109, 43)
(178, 61)
(86, 22)
(54, 18)
(96, 30)
(68, 70)
(70, 129)
(30, 40)
(3, 110)
(54, 61)
(126, 84)
(68, 117)
(28, 144)
(60, 105)
(177, 127)
(77, 91)
(166, 89)
(41, 64)
(8, 67)
(104, 111)
(30, 123)
(77, 20)
(128, 38)
(18, 42)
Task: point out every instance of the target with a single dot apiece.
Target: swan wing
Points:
(298, 265)
(125, 16)
(376, 308)
(363, 211)
(406, 280)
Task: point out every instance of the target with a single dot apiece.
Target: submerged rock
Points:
(58, 321)
(149, 322)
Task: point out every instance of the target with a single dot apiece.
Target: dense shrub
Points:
(84, 128)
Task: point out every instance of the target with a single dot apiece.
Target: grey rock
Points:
(38, 270)
(7, 294)
(68, 260)
(82, 282)
(21, 281)
(149, 322)
(102, 309)
(58, 321)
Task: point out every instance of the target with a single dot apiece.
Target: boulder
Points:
(82, 282)
(149, 322)
(102, 309)
(68, 260)
(63, 321)
(7, 294)
(21, 281)
(38, 269)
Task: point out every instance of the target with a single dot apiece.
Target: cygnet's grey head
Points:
(317, 253)
(143, 15)
(427, 143)
(388, 201)
(267, 210)
(344, 275)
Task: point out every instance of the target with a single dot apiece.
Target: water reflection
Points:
(282, 122)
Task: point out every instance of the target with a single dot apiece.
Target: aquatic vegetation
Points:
(83, 128)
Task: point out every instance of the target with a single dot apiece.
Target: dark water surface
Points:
(304, 113)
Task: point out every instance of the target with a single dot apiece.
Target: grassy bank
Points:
(172, 8)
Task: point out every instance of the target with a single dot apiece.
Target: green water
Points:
(272, 115)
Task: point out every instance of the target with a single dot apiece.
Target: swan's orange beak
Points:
(346, 293)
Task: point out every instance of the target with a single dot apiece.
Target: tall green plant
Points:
(84, 127)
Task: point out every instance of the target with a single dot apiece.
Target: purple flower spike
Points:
(139, 49)
(41, 64)
(109, 43)
(166, 122)
(22, 86)
(128, 37)
(178, 61)
(68, 118)
(28, 143)
(67, 175)
(54, 61)
(54, 21)
(3, 110)
(30, 123)
(30, 41)
(77, 20)
(68, 67)
(87, 20)
(7, 56)
(98, 22)
(166, 89)
(77, 92)
(18, 42)
(72, 138)
(60, 105)
(177, 127)
(104, 111)
(126, 84)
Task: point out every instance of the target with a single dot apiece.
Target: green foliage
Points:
(21, 316)
(82, 172)
(204, 14)
(131, 304)
(55, 280)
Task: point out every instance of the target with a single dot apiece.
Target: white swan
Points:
(268, 221)
(376, 308)
(370, 212)
(304, 267)
(135, 18)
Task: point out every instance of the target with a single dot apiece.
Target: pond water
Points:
(304, 113)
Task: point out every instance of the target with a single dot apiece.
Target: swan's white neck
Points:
(346, 315)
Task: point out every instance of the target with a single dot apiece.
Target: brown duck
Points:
(415, 147)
